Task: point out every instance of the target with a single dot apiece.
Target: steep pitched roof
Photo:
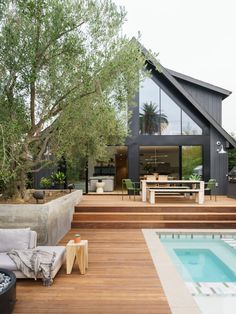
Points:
(224, 92)
(171, 78)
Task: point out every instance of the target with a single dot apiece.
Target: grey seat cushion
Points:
(18, 239)
(7, 263)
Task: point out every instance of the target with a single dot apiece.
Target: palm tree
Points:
(151, 119)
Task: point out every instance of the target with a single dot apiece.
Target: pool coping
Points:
(178, 295)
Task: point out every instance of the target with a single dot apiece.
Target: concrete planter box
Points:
(51, 221)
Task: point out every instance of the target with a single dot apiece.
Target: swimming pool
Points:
(197, 268)
(204, 266)
(202, 258)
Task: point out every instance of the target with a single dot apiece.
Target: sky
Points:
(193, 37)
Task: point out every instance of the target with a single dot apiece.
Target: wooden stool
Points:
(78, 251)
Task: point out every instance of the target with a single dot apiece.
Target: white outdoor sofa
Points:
(21, 239)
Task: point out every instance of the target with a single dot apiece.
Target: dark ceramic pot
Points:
(8, 295)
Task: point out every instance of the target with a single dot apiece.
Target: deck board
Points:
(121, 279)
(104, 200)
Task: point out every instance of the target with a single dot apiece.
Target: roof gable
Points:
(171, 78)
(224, 92)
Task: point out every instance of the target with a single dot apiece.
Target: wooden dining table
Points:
(170, 184)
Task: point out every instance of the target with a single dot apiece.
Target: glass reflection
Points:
(159, 160)
(160, 115)
(189, 127)
(191, 161)
(149, 108)
(172, 113)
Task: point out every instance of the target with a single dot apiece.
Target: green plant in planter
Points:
(45, 183)
(58, 178)
(195, 177)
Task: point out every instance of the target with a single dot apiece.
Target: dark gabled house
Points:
(176, 128)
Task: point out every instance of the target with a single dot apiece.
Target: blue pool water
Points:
(204, 266)
(201, 258)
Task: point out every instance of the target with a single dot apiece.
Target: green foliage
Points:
(151, 120)
(232, 154)
(66, 77)
(232, 158)
(194, 176)
(191, 158)
(45, 183)
(58, 177)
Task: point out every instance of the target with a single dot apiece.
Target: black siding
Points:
(209, 100)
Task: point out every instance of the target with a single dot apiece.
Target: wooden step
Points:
(172, 209)
(155, 224)
(105, 216)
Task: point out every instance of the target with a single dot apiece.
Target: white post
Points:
(201, 193)
(144, 190)
(152, 197)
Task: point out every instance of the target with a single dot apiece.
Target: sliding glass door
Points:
(163, 160)
(178, 162)
(192, 161)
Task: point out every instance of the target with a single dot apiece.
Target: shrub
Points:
(195, 176)
(45, 183)
(58, 177)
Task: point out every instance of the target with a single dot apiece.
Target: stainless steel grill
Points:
(232, 175)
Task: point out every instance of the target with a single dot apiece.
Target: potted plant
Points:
(77, 238)
(58, 179)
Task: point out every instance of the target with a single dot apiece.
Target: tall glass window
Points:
(149, 107)
(162, 160)
(189, 127)
(170, 117)
(192, 161)
(160, 115)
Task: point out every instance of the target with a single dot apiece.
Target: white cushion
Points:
(18, 239)
(6, 262)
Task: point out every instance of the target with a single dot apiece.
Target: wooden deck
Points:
(121, 279)
(107, 200)
(110, 211)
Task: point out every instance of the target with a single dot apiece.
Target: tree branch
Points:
(35, 66)
(58, 37)
(32, 103)
(3, 148)
(41, 167)
(43, 148)
(10, 85)
(54, 111)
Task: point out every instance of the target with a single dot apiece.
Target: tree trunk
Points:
(16, 188)
(21, 184)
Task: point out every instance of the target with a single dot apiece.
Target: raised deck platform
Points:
(110, 211)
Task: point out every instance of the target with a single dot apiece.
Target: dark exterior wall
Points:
(135, 140)
(214, 165)
(209, 100)
(133, 162)
(218, 162)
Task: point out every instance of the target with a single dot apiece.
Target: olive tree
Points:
(66, 76)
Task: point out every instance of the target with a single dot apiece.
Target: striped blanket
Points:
(33, 263)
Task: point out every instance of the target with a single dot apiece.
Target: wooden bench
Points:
(170, 190)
